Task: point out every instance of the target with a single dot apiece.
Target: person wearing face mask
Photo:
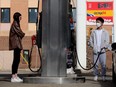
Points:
(99, 39)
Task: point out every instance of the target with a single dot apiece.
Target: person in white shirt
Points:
(99, 39)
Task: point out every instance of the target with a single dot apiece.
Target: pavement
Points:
(5, 81)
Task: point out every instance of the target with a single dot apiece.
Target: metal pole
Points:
(114, 28)
(54, 28)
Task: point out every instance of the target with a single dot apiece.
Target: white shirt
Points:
(98, 35)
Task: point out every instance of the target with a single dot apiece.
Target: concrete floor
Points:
(88, 83)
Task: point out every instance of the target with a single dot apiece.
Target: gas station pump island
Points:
(55, 30)
(55, 35)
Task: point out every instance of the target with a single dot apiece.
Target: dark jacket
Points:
(15, 36)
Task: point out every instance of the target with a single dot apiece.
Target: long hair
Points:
(16, 17)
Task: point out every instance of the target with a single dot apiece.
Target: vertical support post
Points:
(81, 32)
(114, 28)
(54, 28)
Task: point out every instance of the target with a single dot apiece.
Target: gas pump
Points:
(55, 30)
(54, 42)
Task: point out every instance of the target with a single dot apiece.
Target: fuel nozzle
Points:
(33, 38)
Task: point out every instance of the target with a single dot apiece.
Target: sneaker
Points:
(19, 79)
(95, 78)
(14, 80)
(104, 78)
(70, 71)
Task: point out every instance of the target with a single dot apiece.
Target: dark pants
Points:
(16, 60)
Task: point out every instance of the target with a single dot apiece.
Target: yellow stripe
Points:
(24, 59)
(100, 12)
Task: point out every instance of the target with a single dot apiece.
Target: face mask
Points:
(98, 24)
